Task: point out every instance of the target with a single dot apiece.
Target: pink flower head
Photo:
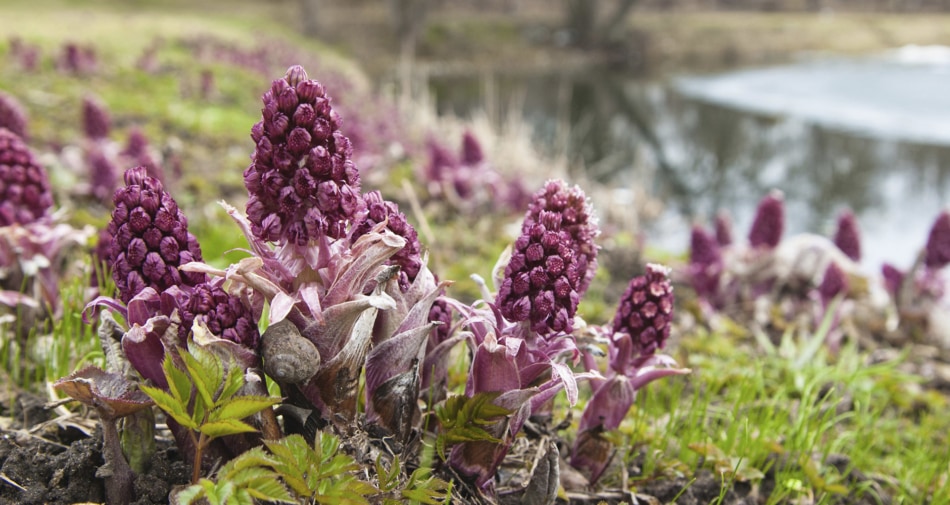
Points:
(151, 238)
(847, 236)
(25, 195)
(834, 282)
(12, 115)
(302, 182)
(378, 210)
(723, 229)
(643, 319)
(95, 119)
(937, 251)
(769, 222)
(705, 262)
(553, 260)
(471, 149)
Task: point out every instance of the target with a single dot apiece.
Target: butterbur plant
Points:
(341, 287)
(34, 248)
(519, 338)
(163, 305)
(640, 328)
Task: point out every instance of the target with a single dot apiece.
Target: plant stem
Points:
(119, 477)
(199, 452)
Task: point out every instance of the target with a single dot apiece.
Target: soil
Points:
(46, 460)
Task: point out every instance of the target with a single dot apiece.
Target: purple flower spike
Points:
(893, 278)
(408, 258)
(705, 263)
(95, 119)
(847, 237)
(769, 222)
(937, 251)
(151, 238)
(12, 115)
(703, 248)
(103, 174)
(723, 229)
(553, 260)
(834, 282)
(644, 317)
(471, 150)
(301, 181)
(223, 313)
(25, 195)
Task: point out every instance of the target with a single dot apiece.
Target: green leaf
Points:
(190, 494)
(253, 457)
(224, 427)
(271, 490)
(211, 492)
(202, 374)
(241, 407)
(423, 488)
(179, 385)
(388, 479)
(171, 406)
(232, 384)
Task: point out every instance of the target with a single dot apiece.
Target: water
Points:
(871, 134)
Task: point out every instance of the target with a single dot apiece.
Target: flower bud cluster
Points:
(645, 312)
(12, 115)
(301, 181)
(553, 260)
(379, 210)
(937, 250)
(769, 222)
(95, 119)
(151, 238)
(847, 236)
(225, 315)
(25, 194)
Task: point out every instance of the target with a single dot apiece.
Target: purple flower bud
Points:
(297, 148)
(152, 238)
(25, 195)
(705, 263)
(893, 278)
(12, 115)
(847, 237)
(408, 258)
(723, 229)
(471, 150)
(644, 316)
(558, 271)
(103, 174)
(769, 222)
(937, 251)
(704, 249)
(834, 282)
(95, 119)
(223, 313)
